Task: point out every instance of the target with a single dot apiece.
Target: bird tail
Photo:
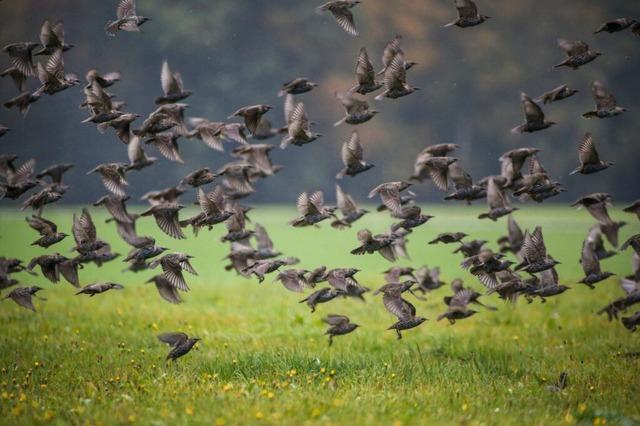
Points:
(381, 96)
(450, 24)
(286, 142)
(112, 27)
(340, 224)
(483, 216)
(342, 173)
(590, 114)
(339, 122)
(441, 317)
(576, 170)
(358, 251)
(518, 129)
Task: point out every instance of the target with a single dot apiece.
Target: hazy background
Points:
(235, 53)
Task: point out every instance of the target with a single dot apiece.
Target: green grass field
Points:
(264, 359)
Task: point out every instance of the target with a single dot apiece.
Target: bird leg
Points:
(399, 334)
(330, 339)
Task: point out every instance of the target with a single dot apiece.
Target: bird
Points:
(357, 111)
(512, 242)
(52, 39)
(411, 216)
(297, 86)
(298, 125)
(462, 181)
(391, 49)
(166, 217)
(97, 288)
(103, 80)
(365, 75)
(534, 253)
(113, 177)
(172, 86)
(236, 179)
(166, 290)
(371, 244)
(615, 25)
(4, 130)
(236, 224)
(458, 307)
(262, 267)
(533, 115)
(421, 172)
(449, 238)
(22, 296)
(312, 210)
(485, 265)
(18, 180)
(402, 309)
(251, 115)
(395, 80)
(293, 279)
(172, 265)
(165, 117)
(84, 233)
(578, 53)
(257, 155)
(597, 242)
(468, 15)
(339, 325)
(557, 94)
(214, 133)
(212, 210)
(457, 285)
(18, 78)
(324, 295)
(631, 297)
(596, 204)
(52, 265)
(340, 9)
(116, 207)
(138, 160)
(352, 157)
(347, 206)
(632, 322)
(21, 56)
(55, 172)
(633, 242)
(470, 248)
(22, 102)
(127, 19)
(606, 105)
(389, 193)
(181, 344)
(560, 385)
(498, 202)
(52, 76)
(590, 161)
(167, 144)
(591, 267)
(393, 274)
(438, 170)
(544, 285)
(634, 208)
(48, 231)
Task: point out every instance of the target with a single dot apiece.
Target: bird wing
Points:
(466, 8)
(589, 260)
(395, 76)
(23, 173)
(573, 48)
(126, 8)
(262, 238)
(317, 200)
(83, 228)
(602, 97)
(43, 226)
(344, 201)
(587, 151)
(532, 112)
(495, 196)
(336, 320)
(344, 18)
(168, 81)
(23, 299)
(391, 49)
(461, 299)
(173, 339)
(365, 74)
(173, 273)
(167, 221)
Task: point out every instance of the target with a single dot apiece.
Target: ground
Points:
(263, 358)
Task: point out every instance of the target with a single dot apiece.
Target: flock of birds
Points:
(531, 276)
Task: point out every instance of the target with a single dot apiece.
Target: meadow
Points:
(264, 359)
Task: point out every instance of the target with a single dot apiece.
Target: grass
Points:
(264, 360)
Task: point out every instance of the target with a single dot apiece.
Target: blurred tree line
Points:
(236, 53)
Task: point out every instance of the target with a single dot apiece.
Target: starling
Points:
(371, 244)
(389, 193)
(298, 125)
(23, 102)
(180, 344)
(257, 155)
(512, 242)
(357, 111)
(323, 295)
(484, 265)
(104, 80)
(127, 19)
(264, 245)
(458, 307)
(52, 39)
(590, 161)
(172, 266)
(365, 75)
(52, 265)
(236, 223)
(395, 80)
(116, 207)
(634, 208)
(55, 172)
(545, 285)
(534, 253)
(18, 180)
(438, 169)
(166, 217)
(47, 195)
(470, 248)
(391, 49)
(596, 205)
(631, 297)
(172, 86)
(594, 237)
(318, 275)
(411, 216)
(465, 189)
(421, 172)
(606, 105)
(343, 279)
(19, 79)
(165, 117)
(251, 115)
(632, 322)
(262, 267)
(402, 309)
(166, 290)
(312, 210)
(449, 238)
(97, 288)
(393, 274)
(21, 55)
(498, 202)
(138, 160)
(591, 267)
(297, 86)
(214, 133)
(350, 211)
(52, 76)
(468, 15)
(578, 54)
(145, 252)
(615, 25)
(633, 242)
(23, 296)
(458, 286)
(48, 231)
(84, 233)
(167, 144)
(168, 195)
(293, 279)
(557, 94)
(339, 325)
(352, 154)
(340, 11)
(113, 177)
(534, 117)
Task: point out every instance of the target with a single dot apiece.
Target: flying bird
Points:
(180, 343)
(606, 105)
(578, 53)
(352, 157)
(339, 325)
(172, 86)
(590, 161)
(533, 115)
(97, 288)
(468, 15)
(340, 9)
(127, 19)
(365, 75)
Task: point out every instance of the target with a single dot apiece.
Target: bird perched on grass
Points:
(617, 25)
(590, 161)
(180, 344)
(402, 309)
(365, 75)
(312, 210)
(357, 111)
(395, 80)
(48, 231)
(606, 105)
(468, 15)
(323, 295)
(127, 19)
(557, 94)
(498, 202)
(97, 288)
(533, 115)
(22, 296)
(352, 157)
(172, 265)
(166, 290)
(449, 238)
(339, 325)
(340, 9)
(578, 54)
(347, 206)
(297, 86)
(172, 86)
(534, 253)
(591, 267)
